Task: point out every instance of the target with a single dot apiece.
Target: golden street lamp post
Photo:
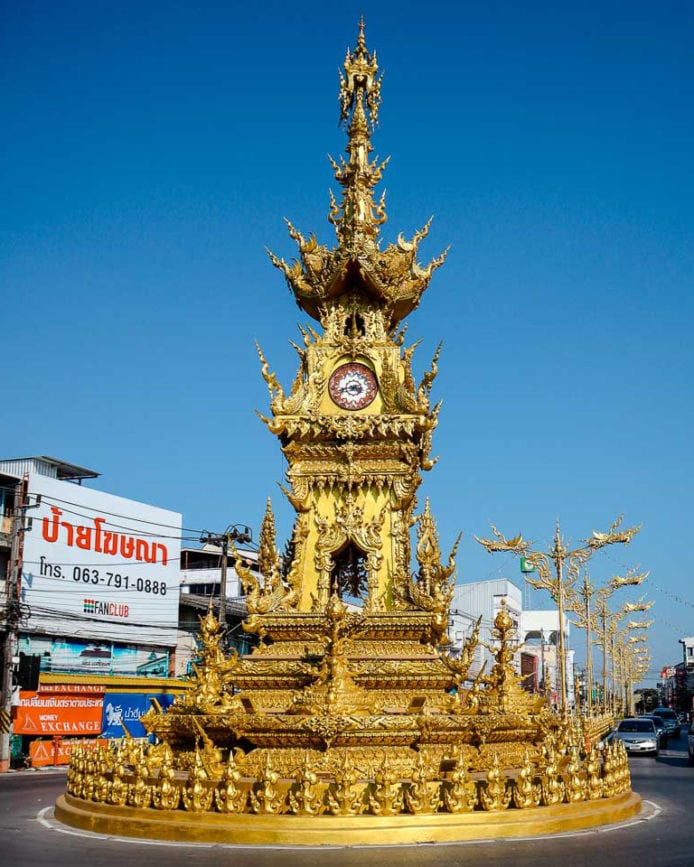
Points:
(633, 668)
(639, 661)
(558, 569)
(581, 605)
(621, 644)
(607, 621)
(628, 666)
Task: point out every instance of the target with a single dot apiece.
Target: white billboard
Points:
(96, 565)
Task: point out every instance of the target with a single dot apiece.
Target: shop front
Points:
(68, 709)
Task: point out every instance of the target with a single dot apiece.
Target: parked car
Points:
(672, 724)
(638, 735)
(660, 727)
(690, 743)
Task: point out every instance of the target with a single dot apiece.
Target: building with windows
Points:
(537, 660)
(201, 579)
(482, 599)
(540, 635)
(90, 586)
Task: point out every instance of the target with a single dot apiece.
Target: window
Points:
(641, 726)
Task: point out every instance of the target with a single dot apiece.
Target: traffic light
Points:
(28, 671)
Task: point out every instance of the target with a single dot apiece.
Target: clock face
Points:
(352, 385)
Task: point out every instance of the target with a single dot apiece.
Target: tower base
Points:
(260, 830)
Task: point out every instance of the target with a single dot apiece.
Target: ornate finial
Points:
(360, 81)
(361, 39)
(360, 96)
(267, 552)
(502, 621)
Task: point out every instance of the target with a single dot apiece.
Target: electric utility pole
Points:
(12, 621)
(233, 533)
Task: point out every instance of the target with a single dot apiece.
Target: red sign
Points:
(94, 688)
(54, 752)
(58, 714)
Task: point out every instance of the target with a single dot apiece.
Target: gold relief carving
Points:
(627, 771)
(526, 793)
(230, 795)
(594, 789)
(494, 794)
(459, 665)
(551, 785)
(609, 786)
(344, 797)
(166, 792)
(432, 589)
(275, 389)
(424, 388)
(88, 781)
(103, 770)
(271, 593)
(118, 790)
(459, 792)
(140, 792)
(386, 796)
(428, 463)
(268, 795)
(198, 793)
(305, 797)
(423, 794)
(574, 778)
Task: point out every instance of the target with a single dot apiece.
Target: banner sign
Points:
(96, 657)
(56, 751)
(58, 714)
(106, 563)
(127, 708)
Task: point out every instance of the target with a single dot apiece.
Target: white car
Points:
(638, 735)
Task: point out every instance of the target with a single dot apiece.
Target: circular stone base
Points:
(259, 830)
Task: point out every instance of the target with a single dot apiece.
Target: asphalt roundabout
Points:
(259, 830)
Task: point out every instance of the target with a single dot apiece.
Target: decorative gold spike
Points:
(494, 793)
(526, 793)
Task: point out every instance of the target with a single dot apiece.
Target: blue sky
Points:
(151, 150)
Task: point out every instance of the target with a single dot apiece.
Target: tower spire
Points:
(356, 224)
(391, 278)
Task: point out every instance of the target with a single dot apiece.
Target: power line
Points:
(122, 526)
(135, 530)
(126, 517)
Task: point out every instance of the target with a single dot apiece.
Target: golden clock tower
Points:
(351, 722)
(356, 429)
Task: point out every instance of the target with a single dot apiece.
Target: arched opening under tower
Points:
(350, 576)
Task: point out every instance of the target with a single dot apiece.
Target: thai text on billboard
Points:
(103, 562)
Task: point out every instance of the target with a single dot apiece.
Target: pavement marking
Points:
(657, 810)
(43, 817)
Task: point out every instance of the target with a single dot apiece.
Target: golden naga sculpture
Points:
(353, 707)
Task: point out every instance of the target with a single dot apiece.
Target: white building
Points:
(482, 599)
(99, 582)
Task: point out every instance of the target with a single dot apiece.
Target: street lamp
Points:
(580, 605)
(608, 621)
(558, 569)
